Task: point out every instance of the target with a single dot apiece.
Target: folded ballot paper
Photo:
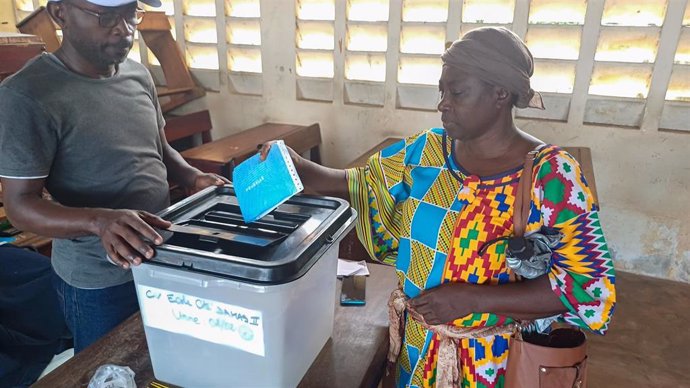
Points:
(352, 268)
(261, 186)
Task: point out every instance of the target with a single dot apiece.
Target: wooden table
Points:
(353, 357)
(221, 155)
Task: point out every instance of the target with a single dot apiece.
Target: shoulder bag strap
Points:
(523, 197)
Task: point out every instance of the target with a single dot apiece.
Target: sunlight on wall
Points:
(315, 64)
(199, 7)
(423, 71)
(202, 57)
(683, 50)
(554, 42)
(367, 37)
(557, 11)
(247, 32)
(425, 11)
(243, 8)
(367, 10)
(245, 59)
(315, 35)
(365, 67)
(200, 30)
(488, 11)
(619, 80)
(425, 39)
(315, 10)
(634, 12)
(627, 44)
(554, 77)
(679, 85)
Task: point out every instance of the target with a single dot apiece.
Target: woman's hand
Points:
(316, 178)
(443, 304)
(265, 147)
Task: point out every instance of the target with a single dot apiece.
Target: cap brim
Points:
(152, 3)
(117, 3)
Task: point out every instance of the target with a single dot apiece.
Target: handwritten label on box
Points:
(205, 319)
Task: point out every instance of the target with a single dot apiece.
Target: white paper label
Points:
(205, 319)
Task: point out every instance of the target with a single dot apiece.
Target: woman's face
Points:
(467, 104)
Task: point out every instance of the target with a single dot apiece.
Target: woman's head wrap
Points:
(498, 57)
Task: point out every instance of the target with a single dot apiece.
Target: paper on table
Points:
(351, 268)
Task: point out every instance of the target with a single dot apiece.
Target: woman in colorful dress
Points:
(433, 204)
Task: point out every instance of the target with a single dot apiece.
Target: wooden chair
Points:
(40, 24)
(180, 88)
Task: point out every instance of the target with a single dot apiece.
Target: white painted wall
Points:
(6, 16)
(642, 175)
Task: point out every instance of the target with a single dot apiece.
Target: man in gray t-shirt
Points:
(85, 124)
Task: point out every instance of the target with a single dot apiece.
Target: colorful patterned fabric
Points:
(416, 216)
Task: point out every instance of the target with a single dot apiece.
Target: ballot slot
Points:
(221, 229)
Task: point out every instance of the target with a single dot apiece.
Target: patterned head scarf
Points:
(498, 57)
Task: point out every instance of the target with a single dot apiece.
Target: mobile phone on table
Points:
(353, 290)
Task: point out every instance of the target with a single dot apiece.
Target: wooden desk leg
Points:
(226, 169)
(315, 155)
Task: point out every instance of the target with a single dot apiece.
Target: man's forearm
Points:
(179, 171)
(50, 219)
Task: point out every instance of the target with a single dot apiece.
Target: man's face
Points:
(102, 46)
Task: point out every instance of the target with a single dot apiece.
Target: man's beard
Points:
(106, 54)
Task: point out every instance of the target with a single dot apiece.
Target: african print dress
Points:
(416, 216)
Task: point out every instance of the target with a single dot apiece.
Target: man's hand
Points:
(205, 180)
(122, 234)
(443, 304)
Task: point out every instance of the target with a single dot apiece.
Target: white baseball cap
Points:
(117, 3)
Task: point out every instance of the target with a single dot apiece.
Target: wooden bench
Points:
(352, 249)
(220, 156)
(187, 126)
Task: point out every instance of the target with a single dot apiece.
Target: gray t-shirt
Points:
(97, 143)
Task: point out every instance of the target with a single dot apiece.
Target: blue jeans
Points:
(32, 328)
(90, 314)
